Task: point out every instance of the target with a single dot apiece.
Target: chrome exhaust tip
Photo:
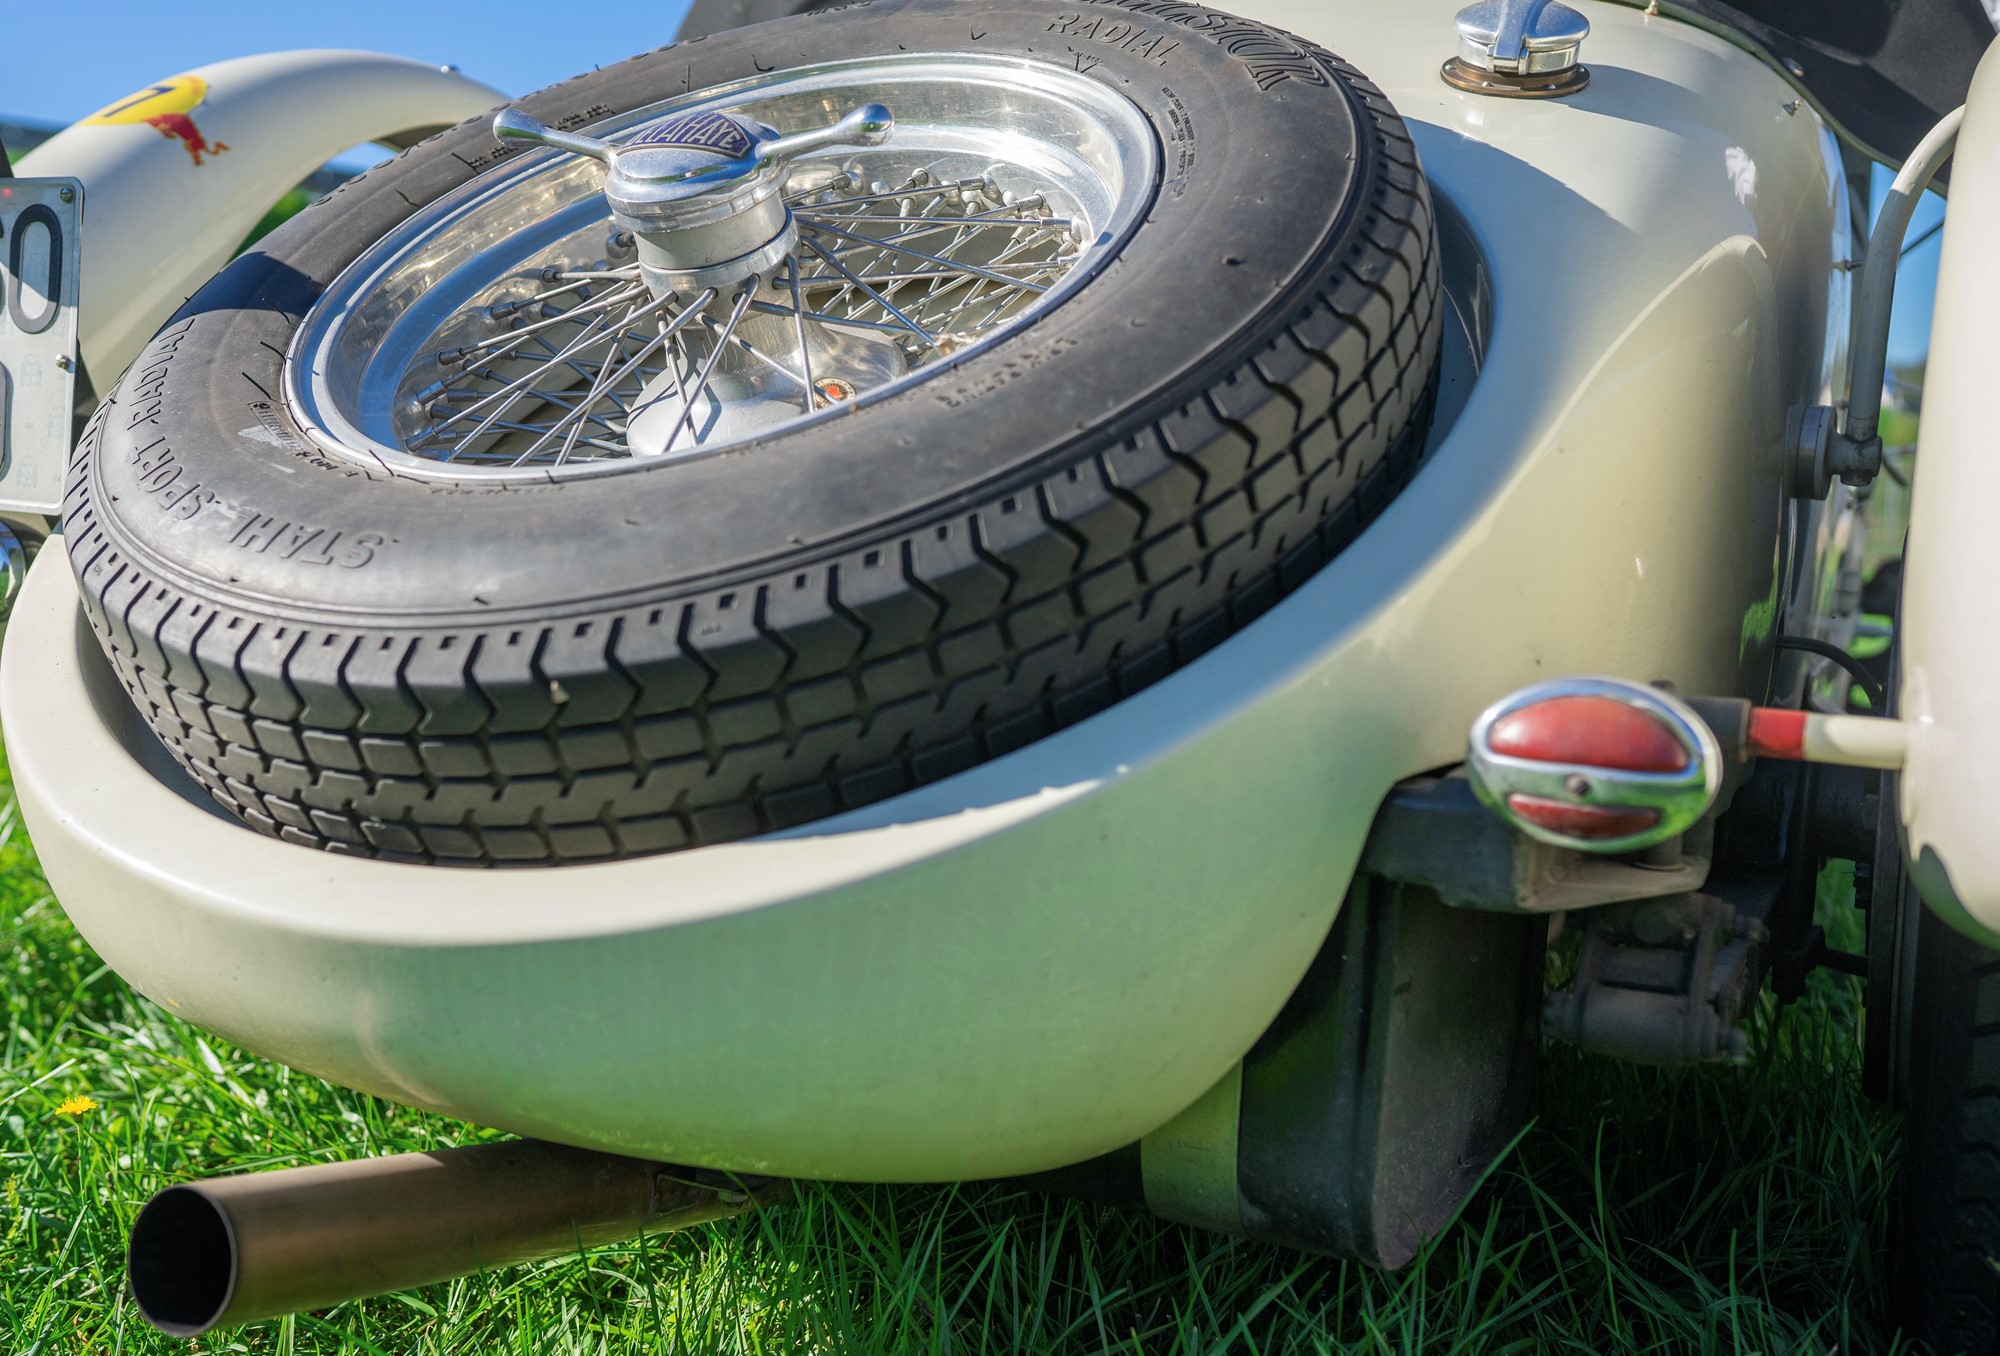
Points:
(181, 1261)
(211, 1254)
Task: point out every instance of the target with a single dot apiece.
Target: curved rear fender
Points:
(176, 175)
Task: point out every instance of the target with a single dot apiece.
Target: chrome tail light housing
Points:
(1600, 765)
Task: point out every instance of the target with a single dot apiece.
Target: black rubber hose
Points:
(1878, 700)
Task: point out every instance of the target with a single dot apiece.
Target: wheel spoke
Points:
(982, 220)
(593, 334)
(714, 327)
(489, 349)
(606, 376)
(880, 300)
(799, 325)
(901, 249)
(954, 274)
(507, 395)
(961, 186)
(686, 421)
(772, 308)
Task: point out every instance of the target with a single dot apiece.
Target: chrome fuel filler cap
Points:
(1520, 49)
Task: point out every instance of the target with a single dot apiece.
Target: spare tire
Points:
(361, 644)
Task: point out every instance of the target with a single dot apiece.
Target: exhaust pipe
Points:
(233, 1249)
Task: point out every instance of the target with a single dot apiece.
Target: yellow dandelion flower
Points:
(76, 1106)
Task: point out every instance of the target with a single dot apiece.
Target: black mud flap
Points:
(1401, 1066)
(1399, 1069)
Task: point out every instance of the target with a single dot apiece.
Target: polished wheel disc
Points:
(507, 332)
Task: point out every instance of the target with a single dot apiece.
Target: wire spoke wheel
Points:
(928, 268)
(471, 345)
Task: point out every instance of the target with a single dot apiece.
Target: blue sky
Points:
(47, 74)
(64, 60)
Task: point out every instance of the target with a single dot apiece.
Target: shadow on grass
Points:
(1646, 1210)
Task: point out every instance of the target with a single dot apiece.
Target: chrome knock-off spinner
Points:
(702, 194)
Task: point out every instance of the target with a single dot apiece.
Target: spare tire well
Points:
(605, 668)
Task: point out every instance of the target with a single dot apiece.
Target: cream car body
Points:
(1052, 954)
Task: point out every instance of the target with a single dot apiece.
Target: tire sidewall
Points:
(201, 472)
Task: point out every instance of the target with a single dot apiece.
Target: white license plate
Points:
(40, 248)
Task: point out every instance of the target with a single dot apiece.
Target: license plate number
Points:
(40, 250)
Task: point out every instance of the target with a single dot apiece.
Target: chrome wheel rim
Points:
(503, 332)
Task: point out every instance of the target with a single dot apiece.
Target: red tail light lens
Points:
(1593, 731)
(1595, 822)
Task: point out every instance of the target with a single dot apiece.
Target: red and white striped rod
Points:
(1811, 737)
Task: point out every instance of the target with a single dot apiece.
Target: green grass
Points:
(1646, 1210)
(1897, 427)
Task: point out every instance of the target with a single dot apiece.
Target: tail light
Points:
(1596, 764)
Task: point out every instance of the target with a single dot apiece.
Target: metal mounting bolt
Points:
(1822, 452)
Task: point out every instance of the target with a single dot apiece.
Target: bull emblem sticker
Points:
(165, 108)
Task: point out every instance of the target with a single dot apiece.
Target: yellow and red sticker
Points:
(165, 108)
(833, 391)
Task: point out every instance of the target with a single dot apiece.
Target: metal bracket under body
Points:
(1822, 452)
(1433, 832)
(1664, 981)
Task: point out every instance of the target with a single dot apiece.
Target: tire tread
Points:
(1947, 1253)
